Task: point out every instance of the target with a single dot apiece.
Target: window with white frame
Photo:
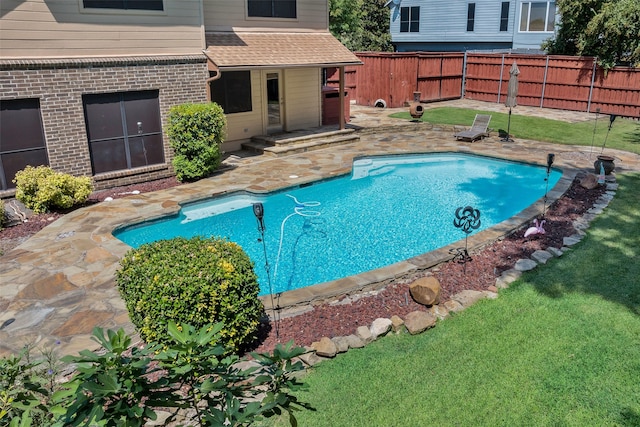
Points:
(272, 8)
(410, 19)
(538, 16)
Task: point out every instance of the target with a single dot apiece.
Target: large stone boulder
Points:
(380, 327)
(426, 290)
(589, 182)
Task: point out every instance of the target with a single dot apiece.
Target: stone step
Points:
(298, 137)
(309, 145)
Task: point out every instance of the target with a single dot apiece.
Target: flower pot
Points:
(607, 164)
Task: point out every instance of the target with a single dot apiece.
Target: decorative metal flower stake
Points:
(467, 219)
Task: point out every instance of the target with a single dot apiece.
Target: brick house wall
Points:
(60, 84)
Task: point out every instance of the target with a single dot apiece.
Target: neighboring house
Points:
(461, 25)
(86, 85)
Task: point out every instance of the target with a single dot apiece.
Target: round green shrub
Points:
(197, 281)
(196, 132)
(41, 188)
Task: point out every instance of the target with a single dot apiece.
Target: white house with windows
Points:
(461, 25)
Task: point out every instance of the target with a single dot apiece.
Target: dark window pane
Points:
(271, 8)
(21, 138)
(404, 19)
(20, 125)
(471, 16)
(504, 16)
(108, 155)
(124, 4)
(142, 108)
(232, 91)
(105, 114)
(146, 150)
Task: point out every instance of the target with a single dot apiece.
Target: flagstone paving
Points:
(59, 284)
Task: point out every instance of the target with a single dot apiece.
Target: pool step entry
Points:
(284, 144)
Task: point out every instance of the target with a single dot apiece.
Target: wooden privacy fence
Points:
(562, 82)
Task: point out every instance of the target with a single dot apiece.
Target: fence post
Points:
(544, 82)
(500, 84)
(593, 79)
(464, 75)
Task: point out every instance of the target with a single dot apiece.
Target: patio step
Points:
(298, 142)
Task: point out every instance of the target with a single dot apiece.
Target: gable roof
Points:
(282, 50)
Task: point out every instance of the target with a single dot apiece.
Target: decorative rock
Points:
(612, 186)
(589, 182)
(525, 264)
(364, 333)
(310, 359)
(440, 311)
(554, 251)
(341, 343)
(418, 321)
(325, 347)
(426, 290)
(354, 341)
(468, 297)
(453, 305)
(571, 240)
(396, 323)
(490, 295)
(380, 327)
(492, 289)
(541, 256)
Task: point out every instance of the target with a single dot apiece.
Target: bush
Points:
(196, 281)
(196, 132)
(41, 188)
(123, 385)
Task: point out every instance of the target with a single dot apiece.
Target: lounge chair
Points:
(478, 129)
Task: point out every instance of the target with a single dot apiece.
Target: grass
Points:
(560, 347)
(624, 133)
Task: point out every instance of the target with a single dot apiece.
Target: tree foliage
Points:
(361, 25)
(607, 29)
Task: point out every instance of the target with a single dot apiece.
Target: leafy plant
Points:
(196, 132)
(196, 281)
(188, 377)
(41, 188)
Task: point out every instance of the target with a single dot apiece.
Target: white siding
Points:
(61, 28)
(302, 98)
(229, 15)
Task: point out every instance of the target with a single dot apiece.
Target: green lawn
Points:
(560, 347)
(624, 134)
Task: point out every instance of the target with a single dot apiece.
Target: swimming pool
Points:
(389, 209)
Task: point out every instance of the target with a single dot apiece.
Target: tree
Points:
(607, 29)
(361, 25)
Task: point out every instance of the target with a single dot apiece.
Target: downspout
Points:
(211, 66)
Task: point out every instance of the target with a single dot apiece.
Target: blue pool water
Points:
(389, 209)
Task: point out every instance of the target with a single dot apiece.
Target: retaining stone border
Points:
(419, 321)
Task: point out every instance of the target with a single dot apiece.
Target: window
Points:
(504, 16)
(21, 138)
(232, 91)
(271, 8)
(471, 16)
(538, 16)
(124, 4)
(410, 19)
(124, 130)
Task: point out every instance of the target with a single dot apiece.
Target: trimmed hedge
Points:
(196, 132)
(41, 188)
(196, 281)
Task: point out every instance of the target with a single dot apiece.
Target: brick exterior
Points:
(59, 85)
